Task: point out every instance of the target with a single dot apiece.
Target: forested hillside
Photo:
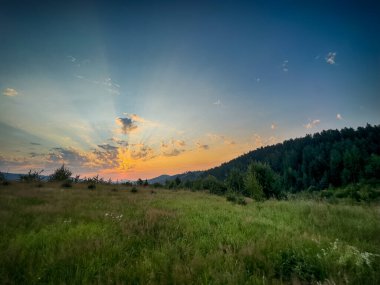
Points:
(330, 158)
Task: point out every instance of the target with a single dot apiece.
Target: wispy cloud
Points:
(273, 126)
(285, 65)
(330, 58)
(202, 146)
(34, 143)
(312, 124)
(217, 103)
(142, 151)
(119, 141)
(10, 92)
(71, 58)
(67, 155)
(127, 125)
(260, 141)
(216, 138)
(109, 85)
(173, 148)
(339, 116)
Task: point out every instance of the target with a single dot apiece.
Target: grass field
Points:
(51, 235)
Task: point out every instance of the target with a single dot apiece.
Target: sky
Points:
(136, 89)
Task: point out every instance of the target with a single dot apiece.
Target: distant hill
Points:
(331, 157)
(187, 176)
(16, 176)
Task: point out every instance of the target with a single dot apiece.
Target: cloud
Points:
(173, 152)
(127, 125)
(285, 66)
(108, 84)
(107, 156)
(202, 146)
(142, 151)
(34, 143)
(259, 141)
(330, 58)
(67, 156)
(217, 103)
(273, 126)
(10, 92)
(108, 147)
(174, 148)
(312, 124)
(119, 142)
(216, 138)
(180, 143)
(71, 58)
(339, 117)
(258, 79)
(111, 86)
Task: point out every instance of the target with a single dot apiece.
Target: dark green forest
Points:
(330, 159)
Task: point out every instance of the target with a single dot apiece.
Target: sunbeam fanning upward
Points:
(142, 88)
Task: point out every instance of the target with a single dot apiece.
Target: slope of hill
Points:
(331, 157)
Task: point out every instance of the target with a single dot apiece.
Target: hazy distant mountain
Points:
(190, 175)
(16, 176)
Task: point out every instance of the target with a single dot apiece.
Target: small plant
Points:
(231, 197)
(5, 183)
(134, 190)
(91, 186)
(67, 184)
(153, 192)
(234, 198)
(61, 174)
(114, 190)
(31, 176)
(241, 201)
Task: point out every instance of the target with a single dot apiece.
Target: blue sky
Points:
(142, 88)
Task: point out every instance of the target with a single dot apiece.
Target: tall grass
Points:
(57, 235)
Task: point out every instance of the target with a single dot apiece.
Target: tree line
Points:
(329, 159)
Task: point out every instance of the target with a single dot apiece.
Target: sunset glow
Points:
(138, 90)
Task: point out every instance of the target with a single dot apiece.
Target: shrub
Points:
(31, 176)
(231, 197)
(2, 177)
(91, 186)
(67, 184)
(234, 198)
(157, 185)
(61, 174)
(134, 190)
(253, 187)
(241, 201)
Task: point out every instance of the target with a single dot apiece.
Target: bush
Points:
(31, 176)
(241, 201)
(91, 186)
(67, 184)
(61, 174)
(2, 177)
(234, 198)
(134, 190)
(231, 197)
(213, 185)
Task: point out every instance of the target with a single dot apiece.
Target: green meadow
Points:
(110, 235)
